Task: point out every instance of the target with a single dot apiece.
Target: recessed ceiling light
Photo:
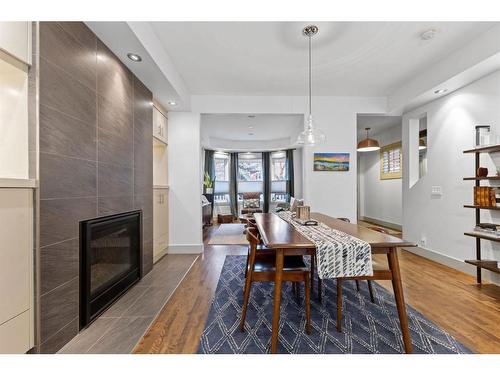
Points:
(440, 91)
(134, 57)
(429, 34)
(173, 103)
(250, 127)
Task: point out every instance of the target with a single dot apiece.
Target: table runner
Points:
(338, 254)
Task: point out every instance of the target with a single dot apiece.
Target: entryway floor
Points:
(120, 328)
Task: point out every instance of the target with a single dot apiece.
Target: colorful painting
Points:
(331, 161)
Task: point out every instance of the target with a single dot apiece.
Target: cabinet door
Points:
(16, 223)
(16, 262)
(164, 214)
(15, 335)
(15, 39)
(159, 125)
(156, 213)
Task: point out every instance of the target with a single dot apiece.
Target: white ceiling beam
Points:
(471, 62)
(152, 44)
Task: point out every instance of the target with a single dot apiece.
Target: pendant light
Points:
(310, 136)
(368, 144)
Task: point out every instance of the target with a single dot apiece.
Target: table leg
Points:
(277, 299)
(313, 265)
(392, 257)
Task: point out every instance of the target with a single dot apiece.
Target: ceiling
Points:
(376, 123)
(270, 58)
(264, 127)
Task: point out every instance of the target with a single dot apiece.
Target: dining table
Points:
(286, 240)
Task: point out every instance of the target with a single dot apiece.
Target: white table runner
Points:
(338, 254)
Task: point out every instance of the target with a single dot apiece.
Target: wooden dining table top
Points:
(277, 233)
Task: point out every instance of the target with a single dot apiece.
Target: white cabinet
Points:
(160, 223)
(160, 164)
(160, 123)
(15, 39)
(16, 270)
(13, 117)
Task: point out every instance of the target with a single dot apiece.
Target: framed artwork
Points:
(331, 161)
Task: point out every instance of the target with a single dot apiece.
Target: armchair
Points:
(251, 203)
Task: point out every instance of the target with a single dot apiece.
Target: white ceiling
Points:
(377, 123)
(270, 58)
(236, 127)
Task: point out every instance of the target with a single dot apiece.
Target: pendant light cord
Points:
(310, 78)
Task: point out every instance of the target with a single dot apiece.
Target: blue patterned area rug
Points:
(367, 327)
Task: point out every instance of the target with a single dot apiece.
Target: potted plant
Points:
(208, 183)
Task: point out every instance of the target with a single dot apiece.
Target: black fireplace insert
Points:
(110, 261)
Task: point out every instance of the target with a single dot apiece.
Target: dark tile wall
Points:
(95, 159)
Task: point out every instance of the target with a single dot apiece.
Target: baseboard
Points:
(185, 249)
(449, 262)
(382, 222)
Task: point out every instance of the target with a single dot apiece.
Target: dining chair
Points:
(261, 267)
(376, 269)
(370, 287)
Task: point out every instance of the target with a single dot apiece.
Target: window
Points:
(249, 167)
(221, 184)
(278, 177)
(390, 161)
(221, 162)
(278, 166)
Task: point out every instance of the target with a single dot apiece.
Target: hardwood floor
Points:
(448, 297)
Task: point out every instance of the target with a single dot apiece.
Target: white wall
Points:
(184, 156)
(380, 199)
(442, 221)
(333, 193)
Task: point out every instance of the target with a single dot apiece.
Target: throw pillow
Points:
(251, 203)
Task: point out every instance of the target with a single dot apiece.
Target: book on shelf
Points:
(485, 196)
(487, 228)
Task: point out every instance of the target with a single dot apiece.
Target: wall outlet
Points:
(423, 242)
(437, 191)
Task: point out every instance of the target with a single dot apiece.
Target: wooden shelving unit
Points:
(490, 265)
(486, 264)
(481, 207)
(490, 178)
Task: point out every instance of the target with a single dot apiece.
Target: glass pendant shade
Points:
(310, 136)
(368, 144)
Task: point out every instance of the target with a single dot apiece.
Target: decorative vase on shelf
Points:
(482, 172)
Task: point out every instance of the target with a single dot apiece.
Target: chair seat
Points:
(267, 263)
(246, 211)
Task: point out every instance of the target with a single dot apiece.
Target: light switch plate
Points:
(437, 190)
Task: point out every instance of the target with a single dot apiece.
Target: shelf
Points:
(18, 183)
(483, 235)
(163, 187)
(492, 178)
(481, 207)
(490, 265)
(485, 149)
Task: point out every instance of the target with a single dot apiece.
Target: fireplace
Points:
(110, 261)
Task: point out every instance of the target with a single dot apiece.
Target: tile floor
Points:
(120, 327)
